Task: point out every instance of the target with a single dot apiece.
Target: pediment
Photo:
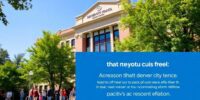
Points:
(98, 10)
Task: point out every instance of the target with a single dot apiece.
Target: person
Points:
(35, 94)
(49, 93)
(57, 94)
(40, 96)
(64, 93)
(44, 94)
(9, 95)
(60, 94)
(68, 92)
(22, 94)
(31, 94)
(2, 95)
(72, 94)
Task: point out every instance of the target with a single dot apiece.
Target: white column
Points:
(70, 40)
(111, 38)
(91, 42)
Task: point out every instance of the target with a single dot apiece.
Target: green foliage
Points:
(16, 4)
(18, 59)
(39, 74)
(55, 62)
(10, 77)
(161, 25)
(4, 56)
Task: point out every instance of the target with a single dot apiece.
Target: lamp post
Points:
(30, 74)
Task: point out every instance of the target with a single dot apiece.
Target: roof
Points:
(98, 2)
(67, 31)
(71, 30)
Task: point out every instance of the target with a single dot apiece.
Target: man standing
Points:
(49, 93)
(57, 94)
(22, 94)
(9, 95)
(44, 94)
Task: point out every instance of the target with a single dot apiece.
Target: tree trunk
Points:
(52, 84)
(61, 78)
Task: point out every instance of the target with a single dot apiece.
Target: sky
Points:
(46, 15)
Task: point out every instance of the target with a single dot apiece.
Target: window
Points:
(88, 42)
(73, 42)
(96, 48)
(102, 47)
(102, 41)
(96, 33)
(96, 43)
(108, 45)
(62, 43)
(102, 31)
(116, 35)
(67, 42)
(116, 32)
(45, 87)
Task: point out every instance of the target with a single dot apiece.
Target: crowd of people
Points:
(45, 94)
(49, 94)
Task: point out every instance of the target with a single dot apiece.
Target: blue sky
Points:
(26, 26)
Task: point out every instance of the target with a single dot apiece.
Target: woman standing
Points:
(64, 94)
(40, 96)
(35, 94)
(31, 94)
(72, 94)
(44, 95)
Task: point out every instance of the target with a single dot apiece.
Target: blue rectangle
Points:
(138, 76)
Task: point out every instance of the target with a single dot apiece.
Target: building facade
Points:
(96, 29)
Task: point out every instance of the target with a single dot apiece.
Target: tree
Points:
(4, 56)
(55, 59)
(10, 77)
(39, 74)
(16, 4)
(161, 25)
(18, 59)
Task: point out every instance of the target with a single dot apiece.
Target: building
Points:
(96, 29)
